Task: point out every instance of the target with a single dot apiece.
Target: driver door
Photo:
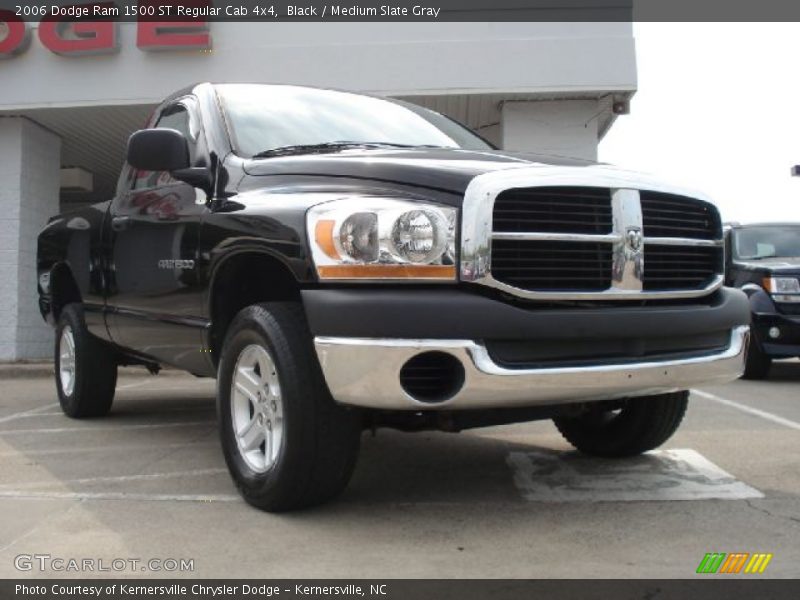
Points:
(155, 296)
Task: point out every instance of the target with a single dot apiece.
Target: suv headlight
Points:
(783, 289)
(383, 238)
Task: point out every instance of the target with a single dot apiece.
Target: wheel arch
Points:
(759, 298)
(63, 289)
(241, 279)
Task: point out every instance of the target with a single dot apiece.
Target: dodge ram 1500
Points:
(339, 262)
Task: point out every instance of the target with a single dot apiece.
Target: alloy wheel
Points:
(257, 408)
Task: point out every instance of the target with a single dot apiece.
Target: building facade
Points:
(69, 100)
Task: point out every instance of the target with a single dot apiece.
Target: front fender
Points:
(760, 300)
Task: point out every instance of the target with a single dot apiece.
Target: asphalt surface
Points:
(149, 482)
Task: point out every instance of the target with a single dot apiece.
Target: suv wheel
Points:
(86, 369)
(287, 444)
(640, 425)
(756, 364)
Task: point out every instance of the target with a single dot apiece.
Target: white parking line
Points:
(27, 413)
(128, 386)
(41, 409)
(161, 411)
(117, 478)
(44, 523)
(656, 476)
(768, 416)
(180, 388)
(89, 428)
(16, 494)
(107, 448)
(54, 413)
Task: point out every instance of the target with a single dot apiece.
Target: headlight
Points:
(782, 285)
(382, 238)
(783, 289)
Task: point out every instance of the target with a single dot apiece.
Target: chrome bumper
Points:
(365, 372)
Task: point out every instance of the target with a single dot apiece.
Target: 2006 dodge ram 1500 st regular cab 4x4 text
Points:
(340, 262)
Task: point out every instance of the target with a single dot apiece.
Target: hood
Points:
(452, 170)
(779, 265)
(444, 169)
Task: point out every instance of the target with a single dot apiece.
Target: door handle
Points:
(120, 223)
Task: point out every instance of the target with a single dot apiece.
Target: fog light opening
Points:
(774, 332)
(432, 377)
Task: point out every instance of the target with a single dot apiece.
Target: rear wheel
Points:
(287, 444)
(86, 369)
(757, 364)
(641, 424)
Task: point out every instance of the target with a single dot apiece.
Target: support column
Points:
(30, 163)
(563, 127)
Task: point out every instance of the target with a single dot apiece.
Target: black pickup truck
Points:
(763, 260)
(341, 262)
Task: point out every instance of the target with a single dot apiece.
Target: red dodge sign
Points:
(67, 37)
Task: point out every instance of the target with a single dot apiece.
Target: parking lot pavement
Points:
(149, 481)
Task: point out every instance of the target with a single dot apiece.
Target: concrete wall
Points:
(562, 127)
(390, 58)
(29, 173)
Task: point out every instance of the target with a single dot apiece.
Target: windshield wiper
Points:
(330, 147)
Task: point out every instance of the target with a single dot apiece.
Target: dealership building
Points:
(69, 100)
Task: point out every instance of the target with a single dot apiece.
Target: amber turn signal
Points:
(443, 272)
(323, 234)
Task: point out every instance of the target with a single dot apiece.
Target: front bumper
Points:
(366, 372)
(787, 344)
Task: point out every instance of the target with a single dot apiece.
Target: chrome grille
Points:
(589, 242)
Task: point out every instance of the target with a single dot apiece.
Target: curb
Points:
(26, 370)
(39, 370)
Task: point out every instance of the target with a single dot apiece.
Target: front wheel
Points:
(641, 424)
(86, 369)
(287, 444)
(757, 364)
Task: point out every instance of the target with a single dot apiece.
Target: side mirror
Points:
(158, 150)
(199, 177)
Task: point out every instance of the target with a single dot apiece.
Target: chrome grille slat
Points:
(683, 242)
(565, 237)
(609, 238)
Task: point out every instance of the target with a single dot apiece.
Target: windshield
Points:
(265, 117)
(765, 242)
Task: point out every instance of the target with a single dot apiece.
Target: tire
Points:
(300, 447)
(85, 367)
(757, 364)
(641, 425)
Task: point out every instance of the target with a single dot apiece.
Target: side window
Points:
(174, 117)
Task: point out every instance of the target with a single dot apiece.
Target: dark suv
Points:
(764, 261)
